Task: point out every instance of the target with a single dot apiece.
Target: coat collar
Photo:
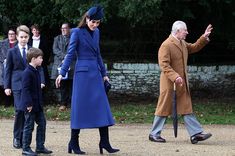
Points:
(32, 68)
(176, 42)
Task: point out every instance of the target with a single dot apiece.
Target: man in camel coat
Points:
(172, 58)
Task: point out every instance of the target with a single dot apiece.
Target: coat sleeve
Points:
(3, 49)
(26, 98)
(57, 50)
(42, 76)
(1, 52)
(100, 60)
(101, 65)
(164, 60)
(197, 46)
(8, 70)
(71, 53)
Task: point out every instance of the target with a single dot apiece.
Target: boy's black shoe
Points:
(44, 151)
(16, 144)
(29, 152)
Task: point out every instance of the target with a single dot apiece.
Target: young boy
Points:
(15, 65)
(31, 104)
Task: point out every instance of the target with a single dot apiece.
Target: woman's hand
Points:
(42, 85)
(29, 108)
(8, 92)
(106, 78)
(57, 81)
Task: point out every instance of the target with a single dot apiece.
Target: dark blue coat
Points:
(31, 93)
(90, 107)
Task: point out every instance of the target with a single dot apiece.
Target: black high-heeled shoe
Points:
(75, 150)
(107, 148)
(73, 145)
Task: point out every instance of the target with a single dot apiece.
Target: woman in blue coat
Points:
(90, 107)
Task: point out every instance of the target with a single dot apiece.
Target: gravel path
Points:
(131, 139)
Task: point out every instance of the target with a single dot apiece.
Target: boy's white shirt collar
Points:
(20, 47)
(21, 51)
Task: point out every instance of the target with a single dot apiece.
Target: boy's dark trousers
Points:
(19, 121)
(30, 118)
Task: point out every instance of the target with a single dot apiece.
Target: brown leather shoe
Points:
(62, 108)
(200, 137)
(157, 139)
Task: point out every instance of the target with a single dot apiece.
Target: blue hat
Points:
(95, 13)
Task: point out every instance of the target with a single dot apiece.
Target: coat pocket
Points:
(82, 69)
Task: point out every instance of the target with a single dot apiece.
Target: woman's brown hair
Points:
(35, 26)
(82, 23)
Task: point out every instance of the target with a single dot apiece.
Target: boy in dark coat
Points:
(31, 104)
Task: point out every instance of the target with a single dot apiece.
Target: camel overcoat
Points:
(172, 59)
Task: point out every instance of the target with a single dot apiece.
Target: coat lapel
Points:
(185, 58)
(176, 42)
(185, 53)
(19, 54)
(183, 49)
(8, 44)
(91, 41)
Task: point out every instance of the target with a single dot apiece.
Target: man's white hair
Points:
(177, 25)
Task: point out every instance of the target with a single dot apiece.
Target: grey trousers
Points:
(191, 123)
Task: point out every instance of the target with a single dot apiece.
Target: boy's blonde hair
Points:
(33, 53)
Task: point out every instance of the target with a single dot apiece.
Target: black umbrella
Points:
(174, 112)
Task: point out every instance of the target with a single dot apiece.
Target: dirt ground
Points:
(131, 139)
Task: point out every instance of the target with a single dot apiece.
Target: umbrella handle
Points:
(174, 86)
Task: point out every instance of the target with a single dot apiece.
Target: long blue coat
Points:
(90, 107)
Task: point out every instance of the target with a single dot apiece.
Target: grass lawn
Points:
(207, 112)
